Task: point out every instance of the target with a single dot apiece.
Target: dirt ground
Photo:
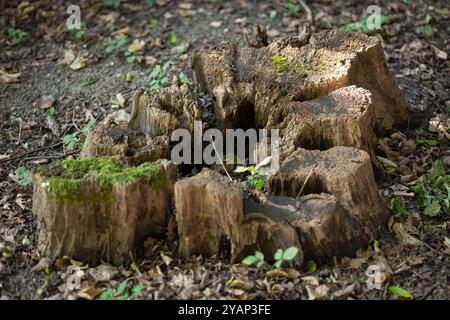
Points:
(416, 43)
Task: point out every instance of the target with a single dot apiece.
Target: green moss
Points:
(303, 69)
(280, 63)
(64, 178)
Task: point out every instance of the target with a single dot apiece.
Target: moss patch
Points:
(64, 179)
(280, 63)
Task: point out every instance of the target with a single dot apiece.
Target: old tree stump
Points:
(327, 97)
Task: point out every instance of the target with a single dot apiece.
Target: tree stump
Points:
(263, 79)
(343, 172)
(98, 210)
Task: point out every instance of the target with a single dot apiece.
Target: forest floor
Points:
(68, 78)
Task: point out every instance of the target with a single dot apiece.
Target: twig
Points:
(220, 160)
(32, 151)
(306, 180)
(309, 15)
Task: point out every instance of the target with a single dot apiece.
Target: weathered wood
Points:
(98, 210)
(284, 71)
(343, 172)
(160, 112)
(342, 118)
(133, 147)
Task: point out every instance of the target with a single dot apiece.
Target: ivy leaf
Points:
(107, 295)
(259, 255)
(397, 207)
(88, 126)
(423, 140)
(137, 290)
(122, 287)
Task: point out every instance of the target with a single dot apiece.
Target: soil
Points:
(416, 45)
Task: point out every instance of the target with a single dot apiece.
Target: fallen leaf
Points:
(103, 272)
(355, 263)
(167, 260)
(400, 292)
(238, 283)
(78, 63)
(6, 77)
(439, 53)
(404, 237)
(215, 24)
(88, 293)
(45, 102)
(69, 56)
(344, 291)
(136, 46)
(4, 156)
(311, 280)
(321, 292)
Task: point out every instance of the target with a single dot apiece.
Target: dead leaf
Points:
(4, 156)
(45, 102)
(321, 292)
(344, 291)
(78, 63)
(167, 260)
(69, 56)
(43, 264)
(136, 46)
(404, 237)
(6, 77)
(311, 280)
(88, 293)
(122, 31)
(215, 24)
(238, 283)
(103, 272)
(355, 263)
(439, 53)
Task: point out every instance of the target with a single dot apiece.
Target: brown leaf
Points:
(69, 56)
(238, 283)
(88, 293)
(45, 102)
(6, 77)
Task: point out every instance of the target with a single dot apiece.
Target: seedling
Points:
(184, 79)
(73, 139)
(17, 35)
(280, 63)
(433, 191)
(292, 7)
(284, 255)
(118, 43)
(257, 259)
(23, 176)
(362, 25)
(256, 177)
(122, 292)
(158, 78)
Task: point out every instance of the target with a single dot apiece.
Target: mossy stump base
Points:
(97, 210)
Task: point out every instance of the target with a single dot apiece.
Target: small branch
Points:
(220, 160)
(32, 151)
(309, 15)
(306, 180)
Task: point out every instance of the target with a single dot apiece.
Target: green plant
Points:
(280, 63)
(173, 39)
(272, 14)
(158, 78)
(256, 177)
(184, 79)
(77, 33)
(284, 255)
(257, 259)
(433, 191)
(430, 142)
(118, 43)
(312, 266)
(154, 23)
(400, 292)
(425, 29)
(73, 139)
(292, 7)
(114, 4)
(397, 206)
(23, 176)
(122, 292)
(17, 35)
(362, 25)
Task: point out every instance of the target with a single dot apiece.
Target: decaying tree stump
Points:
(159, 113)
(97, 209)
(274, 75)
(342, 118)
(343, 172)
(339, 211)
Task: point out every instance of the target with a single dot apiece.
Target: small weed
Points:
(174, 39)
(433, 191)
(184, 79)
(429, 142)
(23, 176)
(17, 35)
(158, 78)
(118, 43)
(292, 7)
(312, 266)
(154, 23)
(257, 259)
(397, 206)
(362, 25)
(256, 178)
(400, 292)
(73, 139)
(122, 292)
(284, 255)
